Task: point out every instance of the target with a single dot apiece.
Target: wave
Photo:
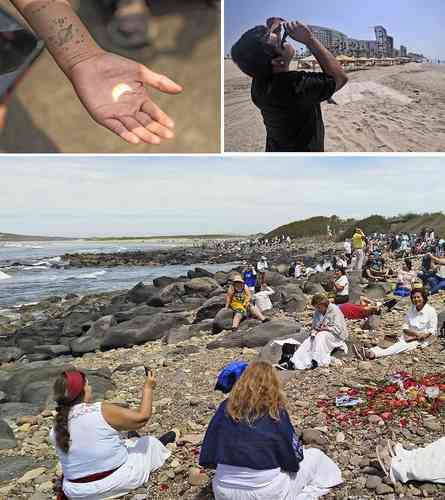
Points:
(87, 276)
(4, 276)
(49, 262)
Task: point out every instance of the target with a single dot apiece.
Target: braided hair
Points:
(63, 409)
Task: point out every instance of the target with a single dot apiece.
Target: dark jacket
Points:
(266, 444)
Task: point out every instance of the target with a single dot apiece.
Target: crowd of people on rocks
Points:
(250, 441)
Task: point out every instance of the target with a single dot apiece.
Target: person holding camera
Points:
(97, 462)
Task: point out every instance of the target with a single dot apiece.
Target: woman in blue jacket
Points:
(252, 445)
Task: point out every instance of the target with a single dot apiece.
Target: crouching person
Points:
(253, 446)
(97, 463)
(328, 332)
(239, 300)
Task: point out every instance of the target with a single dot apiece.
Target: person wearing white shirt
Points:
(341, 285)
(419, 328)
(262, 298)
(297, 271)
(348, 249)
(262, 267)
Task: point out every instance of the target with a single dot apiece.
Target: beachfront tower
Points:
(381, 36)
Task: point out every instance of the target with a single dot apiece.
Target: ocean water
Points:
(41, 273)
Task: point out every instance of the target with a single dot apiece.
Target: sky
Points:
(143, 196)
(417, 24)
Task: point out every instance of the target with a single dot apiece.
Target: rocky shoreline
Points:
(179, 327)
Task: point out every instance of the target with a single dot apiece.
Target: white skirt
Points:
(317, 348)
(420, 464)
(317, 474)
(145, 455)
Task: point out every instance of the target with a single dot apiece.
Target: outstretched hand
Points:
(112, 89)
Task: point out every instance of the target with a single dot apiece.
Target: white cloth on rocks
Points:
(262, 299)
(421, 464)
(423, 321)
(317, 474)
(145, 455)
(328, 333)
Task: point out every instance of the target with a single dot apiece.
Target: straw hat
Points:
(237, 278)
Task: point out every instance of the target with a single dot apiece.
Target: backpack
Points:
(229, 375)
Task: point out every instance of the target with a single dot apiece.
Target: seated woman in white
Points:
(328, 332)
(97, 462)
(251, 443)
(419, 329)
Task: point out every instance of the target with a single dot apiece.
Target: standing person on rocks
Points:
(289, 101)
(328, 332)
(96, 462)
(419, 329)
(249, 277)
(347, 246)
(262, 268)
(358, 243)
(252, 444)
(239, 299)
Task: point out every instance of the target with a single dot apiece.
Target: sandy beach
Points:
(46, 107)
(383, 109)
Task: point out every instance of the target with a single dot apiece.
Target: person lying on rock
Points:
(239, 300)
(439, 283)
(366, 308)
(328, 332)
(419, 329)
(426, 465)
(252, 444)
(289, 101)
(97, 463)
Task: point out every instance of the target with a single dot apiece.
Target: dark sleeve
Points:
(208, 455)
(290, 446)
(315, 87)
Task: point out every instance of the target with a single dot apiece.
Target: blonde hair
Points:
(256, 394)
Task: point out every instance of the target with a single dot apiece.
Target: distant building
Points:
(403, 51)
(339, 43)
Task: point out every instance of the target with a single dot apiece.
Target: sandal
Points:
(359, 352)
(131, 26)
(383, 458)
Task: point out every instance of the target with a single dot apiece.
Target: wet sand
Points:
(383, 109)
(45, 116)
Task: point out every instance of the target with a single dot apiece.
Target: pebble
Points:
(197, 477)
(32, 474)
(372, 482)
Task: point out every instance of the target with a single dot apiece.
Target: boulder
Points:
(441, 324)
(221, 277)
(142, 310)
(142, 329)
(258, 336)
(274, 279)
(162, 281)
(15, 466)
(8, 354)
(179, 335)
(13, 410)
(75, 320)
(92, 340)
(222, 321)
(142, 294)
(203, 286)
(210, 308)
(312, 288)
(172, 291)
(355, 292)
(198, 272)
(7, 439)
(321, 278)
(295, 304)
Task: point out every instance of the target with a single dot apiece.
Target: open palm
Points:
(112, 89)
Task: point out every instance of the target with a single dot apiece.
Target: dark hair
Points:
(408, 264)
(341, 269)
(253, 55)
(63, 409)
(422, 292)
